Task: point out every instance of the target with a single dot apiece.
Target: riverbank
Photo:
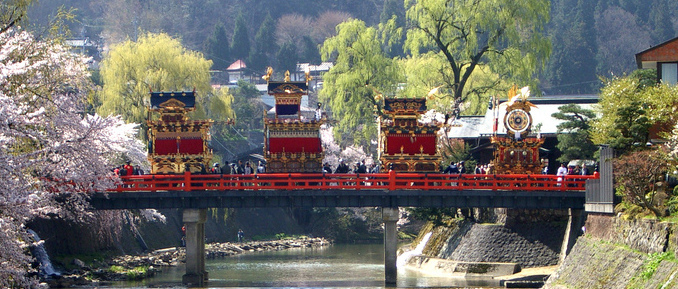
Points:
(138, 267)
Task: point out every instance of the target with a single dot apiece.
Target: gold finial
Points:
(269, 71)
(512, 92)
(307, 72)
(287, 76)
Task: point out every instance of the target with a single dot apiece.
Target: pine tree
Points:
(240, 45)
(217, 49)
(264, 46)
(287, 57)
(310, 52)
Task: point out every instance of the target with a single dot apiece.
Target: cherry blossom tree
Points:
(52, 154)
(334, 154)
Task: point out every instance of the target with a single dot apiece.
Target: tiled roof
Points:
(237, 65)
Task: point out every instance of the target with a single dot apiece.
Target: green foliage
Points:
(623, 120)
(361, 71)
(155, 62)
(280, 236)
(652, 263)
(506, 36)
(630, 106)
(13, 13)
(287, 57)
(456, 151)
(573, 133)
(240, 45)
(437, 216)
(264, 46)
(137, 273)
(217, 48)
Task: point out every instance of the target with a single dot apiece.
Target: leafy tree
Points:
(217, 49)
(623, 120)
(46, 139)
(240, 45)
(630, 106)
(264, 46)
(349, 87)
(573, 134)
(424, 72)
(507, 36)
(155, 62)
(636, 176)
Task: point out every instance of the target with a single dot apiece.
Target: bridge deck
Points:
(344, 190)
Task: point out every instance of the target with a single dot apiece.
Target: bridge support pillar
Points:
(194, 220)
(390, 218)
(572, 231)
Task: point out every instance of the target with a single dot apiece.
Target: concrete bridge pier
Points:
(390, 218)
(194, 220)
(572, 231)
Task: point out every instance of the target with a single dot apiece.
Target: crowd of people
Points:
(238, 168)
(246, 168)
(357, 168)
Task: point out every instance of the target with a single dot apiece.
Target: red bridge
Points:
(344, 190)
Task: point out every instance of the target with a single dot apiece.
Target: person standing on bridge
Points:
(129, 169)
(561, 173)
(215, 169)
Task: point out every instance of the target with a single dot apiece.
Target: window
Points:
(669, 73)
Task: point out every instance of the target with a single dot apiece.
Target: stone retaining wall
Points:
(527, 244)
(647, 236)
(619, 254)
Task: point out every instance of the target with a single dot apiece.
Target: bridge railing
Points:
(378, 181)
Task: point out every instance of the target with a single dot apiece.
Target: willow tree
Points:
(155, 62)
(504, 35)
(350, 88)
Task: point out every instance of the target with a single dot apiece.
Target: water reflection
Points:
(337, 266)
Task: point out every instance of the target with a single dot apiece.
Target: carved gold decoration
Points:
(269, 72)
(287, 76)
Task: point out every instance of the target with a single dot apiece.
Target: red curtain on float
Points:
(410, 144)
(192, 146)
(294, 145)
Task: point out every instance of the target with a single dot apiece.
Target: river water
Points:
(336, 266)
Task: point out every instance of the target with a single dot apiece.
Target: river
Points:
(347, 266)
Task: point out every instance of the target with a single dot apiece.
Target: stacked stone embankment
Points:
(619, 254)
(469, 248)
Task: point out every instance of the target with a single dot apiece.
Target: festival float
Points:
(517, 152)
(405, 143)
(291, 141)
(177, 144)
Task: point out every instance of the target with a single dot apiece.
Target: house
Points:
(237, 71)
(316, 71)
(477, 130)
(663, 58)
